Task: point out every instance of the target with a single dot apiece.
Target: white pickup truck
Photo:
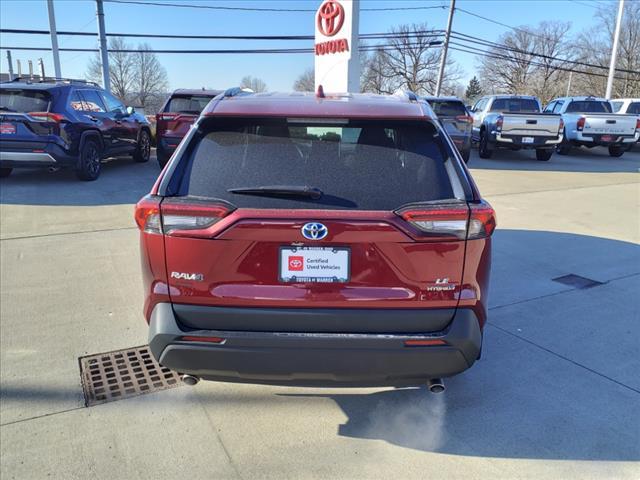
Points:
(590, 121)
(515, 122)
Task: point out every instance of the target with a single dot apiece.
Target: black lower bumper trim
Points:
(319, 359)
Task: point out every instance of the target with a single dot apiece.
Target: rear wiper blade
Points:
(278, 190)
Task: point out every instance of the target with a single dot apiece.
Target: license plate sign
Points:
(314, 264)
(7, 128)
(527, 139)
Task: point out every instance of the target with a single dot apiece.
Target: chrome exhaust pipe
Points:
(435, 385)
(189, 379)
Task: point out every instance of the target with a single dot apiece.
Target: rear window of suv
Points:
(188, 104)
(24, 100)
(364, 165)
(515, 105)
(448, 108)
(588, 106)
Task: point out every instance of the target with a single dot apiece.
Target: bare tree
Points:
(594, 46)
(121, 69)
(150, 76)
(407, 61)
(306, 81)
(254, 83)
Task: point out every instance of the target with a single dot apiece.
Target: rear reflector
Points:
(459, 222)
(426, 342)
(203, 339)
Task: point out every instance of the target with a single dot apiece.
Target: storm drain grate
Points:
(111, 376)
(576, 281)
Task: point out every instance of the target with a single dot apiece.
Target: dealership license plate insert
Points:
(314, 264)
(527, 139)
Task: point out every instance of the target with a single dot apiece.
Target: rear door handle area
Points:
(611, 121)
(92, 118)
(532, 122)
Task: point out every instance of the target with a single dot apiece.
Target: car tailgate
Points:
(531, 124)
(609, 123)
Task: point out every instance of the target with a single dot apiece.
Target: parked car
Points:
(627, 106)
(67, 123)
(456, 120)
(590, 122)
(176, 116)
(303, 239)
(515, 122)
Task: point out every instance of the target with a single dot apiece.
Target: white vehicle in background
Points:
(590, 122)
(627, 105)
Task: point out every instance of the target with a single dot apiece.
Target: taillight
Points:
(580, 124)
(476, 221)
(47, 116)
(166, 116)
(464, 119)
(499, 122)
(561, 126)
(147, 215)
(182, 218)
(177, 217)
(638, 124)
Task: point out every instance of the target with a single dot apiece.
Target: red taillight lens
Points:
(182, 218)
(638, 124)
(47, 116)
(464, 119)
(580, 124)
(166, 116)
(499, 122)
(476, 221)
(561, 126)
(147, 215)
(482, 221)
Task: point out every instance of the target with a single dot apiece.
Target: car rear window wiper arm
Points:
(279, 190)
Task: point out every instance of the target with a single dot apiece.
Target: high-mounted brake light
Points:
(476, 221)
(47, 116)
(499, 122)
(186, 219)
(580, 124)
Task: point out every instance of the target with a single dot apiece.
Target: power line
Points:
(364, 36)
(260, 9)
(488, 43)
(518, 29)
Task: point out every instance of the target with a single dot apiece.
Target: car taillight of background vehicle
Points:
(499, 122)
(476, 221)
(178, 218)
(638, 124)
(48, 117)
(580, 124)
(561, 127)
(464, 119)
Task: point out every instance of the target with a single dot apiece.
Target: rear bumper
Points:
(538, 141)
(321, 359)
(596, 139)
(16, 155)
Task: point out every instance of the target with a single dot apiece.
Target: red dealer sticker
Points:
(296, 264)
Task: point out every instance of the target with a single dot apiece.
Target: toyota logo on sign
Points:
(330, 18)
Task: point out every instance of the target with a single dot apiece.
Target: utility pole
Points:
(41, 64)
(569, 84)
(104, 53)
(19, 64)
(445, 47)
(10, 65)
(614, 50)
(54, 39)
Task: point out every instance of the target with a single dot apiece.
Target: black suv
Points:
(67, 123)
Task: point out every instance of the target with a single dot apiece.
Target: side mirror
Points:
(131, 110)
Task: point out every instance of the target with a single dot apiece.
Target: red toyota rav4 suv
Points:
(297, 239)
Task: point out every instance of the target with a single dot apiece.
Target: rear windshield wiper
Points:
(279, 190)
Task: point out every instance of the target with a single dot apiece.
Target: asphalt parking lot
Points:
(556, 394)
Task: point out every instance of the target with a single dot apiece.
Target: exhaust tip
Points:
(189, 380)
(435, 385)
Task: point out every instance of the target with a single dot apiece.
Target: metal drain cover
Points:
(576, 281)
(111, 376)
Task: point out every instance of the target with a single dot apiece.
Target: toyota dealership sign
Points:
(337, 63)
